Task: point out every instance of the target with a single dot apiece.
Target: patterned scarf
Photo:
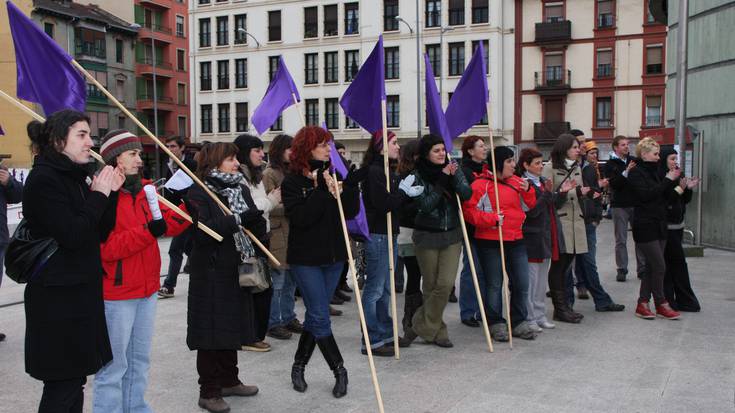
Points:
(230, 188)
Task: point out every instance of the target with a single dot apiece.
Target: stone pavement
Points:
(608, 363)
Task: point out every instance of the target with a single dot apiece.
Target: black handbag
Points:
(26, 256)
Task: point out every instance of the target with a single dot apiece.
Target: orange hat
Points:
(591, 145)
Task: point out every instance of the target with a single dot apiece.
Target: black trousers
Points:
(63, 396)
(257, 311)
(652, 280)
(558, 272)
(413, 279)
(677, 288)
(217, 369)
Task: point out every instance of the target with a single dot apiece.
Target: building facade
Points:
(593, 65)
(235, 48)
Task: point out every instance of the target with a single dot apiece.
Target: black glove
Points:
(257, 226)
(250, 215)
(356, 176)
(157, 227)
(321, 183)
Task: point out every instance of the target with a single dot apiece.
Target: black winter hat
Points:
(245, 143)
(501, 154)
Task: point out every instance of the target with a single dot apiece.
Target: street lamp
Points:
(155, 97)
(243, 31)
(443, 30)
(418, 73)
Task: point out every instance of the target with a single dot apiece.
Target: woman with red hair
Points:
(316, 246)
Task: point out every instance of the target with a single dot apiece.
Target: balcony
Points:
(90, 50)
(605, 71)
(94, 95)
(548, 132)
(162, 4)
(164, 103)
(605, 21)
(554, 32)
(162, 67)
(554, 81)
(147, 30)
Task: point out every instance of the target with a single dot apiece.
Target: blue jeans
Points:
(282, 302)
(516, 260)
(468, 306)
(585, 267)
(376, 294)
(317, 284)
(120, 385)
(180, 245)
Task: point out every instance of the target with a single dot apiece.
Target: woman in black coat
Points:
(216, 320)
(66, 332)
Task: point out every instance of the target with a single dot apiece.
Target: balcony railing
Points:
(89, 49)
(554, 32)
(162, 99)
(605, 20)
(548, 132)
(553, 81)
(653, 120)
(605, 70)
(157, 28)
(352, 26)
(95, 94)
(161, 64)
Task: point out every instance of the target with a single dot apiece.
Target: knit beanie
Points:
(245, 143)
(117, 142)
(378, 139)
(501, 154)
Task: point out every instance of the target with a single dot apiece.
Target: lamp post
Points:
(443, 30)
(155, 97)
(243, 31)
(418, 73)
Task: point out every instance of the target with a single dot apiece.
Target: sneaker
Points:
(620, 277)
(214, 405)
(241, 390)
(611, 308)
(582, 293)
(259, 346)
(279, 333)
(295, 326)
(547, 325)
(643, 311)
(664, 310)
(471, 322)
(166, 292)
(499, 332)
(524, 331)
(382, 351)
(535, 328)
(443, 343)
(334, 312)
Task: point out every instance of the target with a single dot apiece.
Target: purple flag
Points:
(2, 132)
(469, 101)
(278, 97)
(362, 99)
(434, 113)
(45, 75)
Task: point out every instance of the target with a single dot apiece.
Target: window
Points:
(272, 66)
(181, 60)
(554, 68)
(392, 63)
(393, 106)
(241, 117)
(180, 26)
(433, 13)
(653, 110)
(98, 124)
(223, 117)
(204, 1)
(205, 76)
(274, 26)
(604, 112)
(604, 63)
(49, 29)
(119, 55)
(352, 18)
(331, 67)
(605, 13)
(331, 113)
(182, 126)
(351, 124)
(241, 73)
(553, 110)
(240, 23)
(352, 64)
(654, 60)
(222, 30)
(223, 74)
(181, 93)
(390, 11)
(480, 12)
(121, 122)
(312, 111)
(311, 22)
(206, 118)
(311, 68)
(278, 126)
(553, 12)
(434, 52)
(456, 59)
(330, 20)
(649, 16)
(120, 90)
(205, 36)
(486, 50)
(456, 12)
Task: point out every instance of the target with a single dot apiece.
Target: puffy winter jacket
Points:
(130, 255)
(437, 208)
(513, 199)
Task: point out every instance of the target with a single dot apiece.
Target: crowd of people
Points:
(91, 309)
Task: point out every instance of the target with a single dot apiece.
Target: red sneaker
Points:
(664, 310)
(643, 311)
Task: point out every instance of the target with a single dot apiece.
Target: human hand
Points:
(103, 182)
(524, 184)
(4, 176)
(630, 166)
(118, 178)
(692, 182)
(157, 227)
(501, 217)
(683, 182)
(275, 196)
(406, 185)
(603, 183)
(673, 174)
(450, 168)
(596, 195)
(567, 186)
(548, 185)
(332, 185)
(584, 190)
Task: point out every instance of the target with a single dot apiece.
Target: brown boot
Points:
(241, 390)
(562, 311)
(214, 405)
(412, 303)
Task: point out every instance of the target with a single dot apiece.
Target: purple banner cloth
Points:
(362, 99)
(45, 74)
(2, 131)
(277, 98)
(469, 101)
(434, 113)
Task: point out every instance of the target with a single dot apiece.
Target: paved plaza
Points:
(611, 362)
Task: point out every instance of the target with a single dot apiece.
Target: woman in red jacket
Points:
(482, 212)
(132, 264)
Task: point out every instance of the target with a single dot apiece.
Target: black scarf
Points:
(430, 171)
(133, 184)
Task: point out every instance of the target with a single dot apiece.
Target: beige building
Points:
(593, 65)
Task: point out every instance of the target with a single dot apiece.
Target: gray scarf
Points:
(232, 190)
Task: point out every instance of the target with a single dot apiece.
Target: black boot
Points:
(307, 342)
(562, 311)
(412, 303)
(334, 359)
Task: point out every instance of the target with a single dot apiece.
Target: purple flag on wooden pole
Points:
(362, 99)
(45, 74)
(469, 101)
(434, 113)
(281, 93)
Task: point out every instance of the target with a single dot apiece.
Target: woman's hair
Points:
(559, 151)
(527, 156)
(407, 157)
(375, 147)
(427, 142)
(50, 136)
(305, 141)
(646, 145)
(468, 144)
(245, 144)
(275, 152)
(212, 155)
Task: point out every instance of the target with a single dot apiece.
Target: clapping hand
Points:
(450, 168)
(692, 182)
(104, 181)
(673, 174)
(406, 185)
(584, 190)
(567, 186)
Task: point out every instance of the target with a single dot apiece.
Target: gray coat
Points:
(570, 212)
(537, 227)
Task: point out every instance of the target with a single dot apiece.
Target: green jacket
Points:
(437, 212)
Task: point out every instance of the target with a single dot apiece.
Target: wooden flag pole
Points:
(506, 298)
(358, 296)
(389, 221)
(22, 107)
(298, 109)
(187, 217)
